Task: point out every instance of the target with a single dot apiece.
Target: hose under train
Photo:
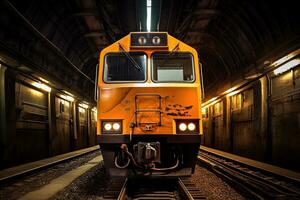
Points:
(131, 158)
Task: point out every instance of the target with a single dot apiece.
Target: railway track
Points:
(146, 189)
(252, 182)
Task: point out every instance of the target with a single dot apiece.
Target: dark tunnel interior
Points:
(233, 38)
(249, 73)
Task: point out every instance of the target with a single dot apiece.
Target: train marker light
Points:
(191, 126)
(287, 66)
(116, 126)
(42, 86)
(182, 127)
(107, 126)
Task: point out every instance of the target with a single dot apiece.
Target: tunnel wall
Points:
(40, 124)
(260, 121)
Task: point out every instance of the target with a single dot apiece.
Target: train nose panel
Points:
(148, 110)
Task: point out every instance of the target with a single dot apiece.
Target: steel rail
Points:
(254, 183)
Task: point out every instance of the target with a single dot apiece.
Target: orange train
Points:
(149, 99)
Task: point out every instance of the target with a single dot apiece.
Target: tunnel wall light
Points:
(232, 93)
(230, 90)
(83, 105)
(207, 102)
(68, 98)
(94, 109)
(44, 80)
(42, 86)
(287, 66)
(149, 4)
(68, 93)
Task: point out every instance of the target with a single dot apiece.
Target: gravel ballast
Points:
(212, 186)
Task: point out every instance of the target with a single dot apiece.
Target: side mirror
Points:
(202, 82)
(96, 84)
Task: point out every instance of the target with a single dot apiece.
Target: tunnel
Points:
(202, 78)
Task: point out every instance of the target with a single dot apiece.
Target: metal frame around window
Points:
(184, 52)
(118, 82)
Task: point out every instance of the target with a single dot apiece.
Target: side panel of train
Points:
(250, 124)
(39, 124)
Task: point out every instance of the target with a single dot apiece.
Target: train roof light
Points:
(42, 86)
(148, 40)
(287, 66)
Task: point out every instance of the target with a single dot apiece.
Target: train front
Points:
(149, 98)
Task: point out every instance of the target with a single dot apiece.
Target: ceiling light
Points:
(149, 4)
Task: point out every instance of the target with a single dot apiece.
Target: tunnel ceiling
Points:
(231, 37)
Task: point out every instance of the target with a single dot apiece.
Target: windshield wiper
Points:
(129, 57)
(169, 55)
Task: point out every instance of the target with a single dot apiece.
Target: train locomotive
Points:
(149, 120)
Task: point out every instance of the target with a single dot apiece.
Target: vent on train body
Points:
(148, 40)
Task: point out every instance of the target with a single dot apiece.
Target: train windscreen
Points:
(173, 67)
(125, 67)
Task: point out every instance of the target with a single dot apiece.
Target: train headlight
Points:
(191, 126)
(113, 126)
(187, 126)
(116, 126)
(107, 126)
(182, 127)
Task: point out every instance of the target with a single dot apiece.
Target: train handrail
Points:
(96, 84)
(202, 82)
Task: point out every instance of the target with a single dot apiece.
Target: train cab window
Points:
(125, 67)
(175, 67)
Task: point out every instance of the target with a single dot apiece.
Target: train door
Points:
(82, 134)
(205, 121)
(242, 118)
(93, 128)
(218, 125)
(62, 138)
(285, 119)
(209, 135)
(31, 142)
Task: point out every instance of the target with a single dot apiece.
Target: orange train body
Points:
(148, 108)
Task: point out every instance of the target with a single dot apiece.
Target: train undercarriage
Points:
(149, 155)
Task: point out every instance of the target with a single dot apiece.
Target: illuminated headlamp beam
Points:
(149, 4)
